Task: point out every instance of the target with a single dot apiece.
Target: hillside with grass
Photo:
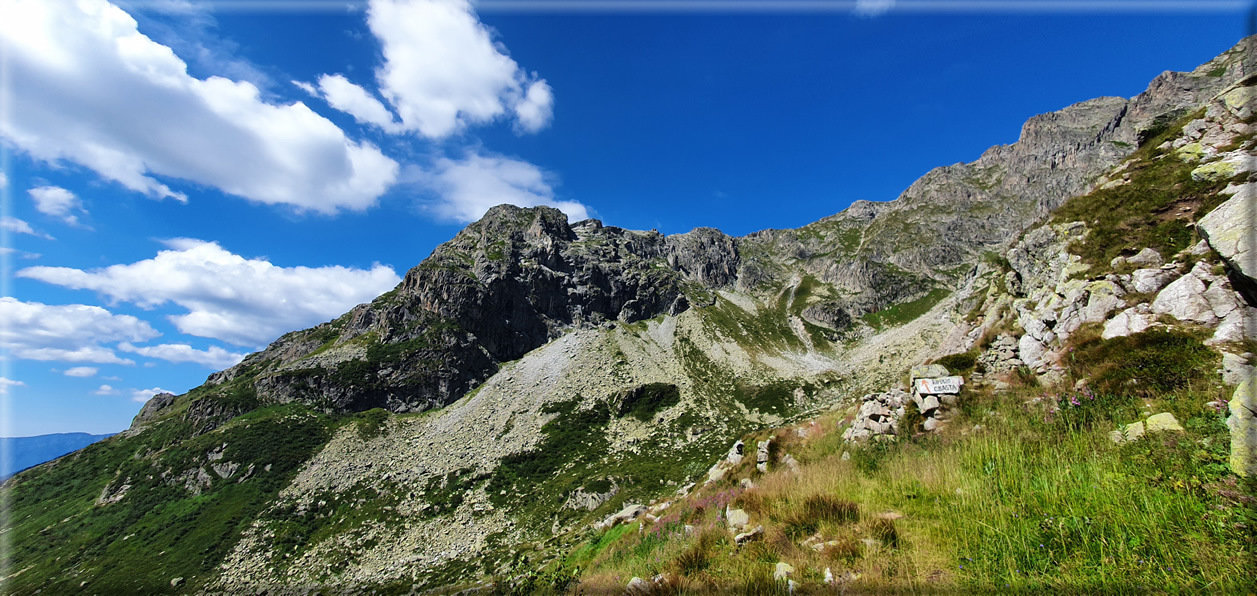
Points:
(545, 406)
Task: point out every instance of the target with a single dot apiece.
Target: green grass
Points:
(647, 400)
(1156, 209)
(1040, 501)
(158, 530)
(905, 312)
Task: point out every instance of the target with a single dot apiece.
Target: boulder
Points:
(1243, 425)
(629, 513)
(1185, 300)
(745, 537)
(1146, 281)
(1241, 324)
(1163, 422)
(1033, 352)
(1229, 230)
(783, 571)
(1128, 433)
(736, 519)
(1132, 320)
(1235, 369)
(1146, 258)
(925, 371)
(637, 587)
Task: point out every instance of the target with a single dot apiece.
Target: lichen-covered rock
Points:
(1243, 425)
(1229, 230)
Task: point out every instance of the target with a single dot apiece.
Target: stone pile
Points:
(1001, 357)
(878, 417)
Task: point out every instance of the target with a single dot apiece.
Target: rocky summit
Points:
(536, 387)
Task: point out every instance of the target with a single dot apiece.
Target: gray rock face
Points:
(1229, 230)
(155, 406)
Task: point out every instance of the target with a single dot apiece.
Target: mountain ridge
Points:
(452, 428)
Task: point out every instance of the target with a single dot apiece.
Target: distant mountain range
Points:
(19, 453)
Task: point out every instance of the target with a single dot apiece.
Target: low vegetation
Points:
(1023, 491)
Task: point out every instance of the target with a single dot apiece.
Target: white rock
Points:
(1151, 280)
(637, 587)
(1032, 351)
(1241, 324)
(745, 537)
(783, 571)
(1132, 320)
(1128, 433)
(1222, 299)
(1146, 258)
(1185, 300)
(1235, 369)
(736, 518)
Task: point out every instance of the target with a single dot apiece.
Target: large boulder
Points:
(1185, 300)
(1243, 425)
(1229, 230)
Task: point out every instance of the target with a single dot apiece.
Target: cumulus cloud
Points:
(357, 102)
(468, 187)
(57, 202)
(105, 390)
(442, 71)
(228, 297)
(143, 395)
(67, 333)
(215, 358)
(84, 85)
(6, 383)
(81, 371)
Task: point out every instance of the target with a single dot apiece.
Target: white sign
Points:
(939, 385)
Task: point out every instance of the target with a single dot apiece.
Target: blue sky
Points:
(184, 183)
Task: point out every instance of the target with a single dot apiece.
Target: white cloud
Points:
(67, 333)
(81, 371)
(8, 250)
(469, 187)
(57, 202)
(443, 71)
(873, 8)
(357, 102)
(242, 301)
(6, 383)
(308, 88)
(105, 390)
(214, 358)
(18, 226)
(4, 181)
(84, 85)
(536, 108)
(143, 395)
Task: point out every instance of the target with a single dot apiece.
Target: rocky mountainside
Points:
(534, 375)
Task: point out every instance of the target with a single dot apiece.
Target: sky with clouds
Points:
(184, 182)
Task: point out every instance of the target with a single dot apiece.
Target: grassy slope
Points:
(1037, 499)
(158, 531)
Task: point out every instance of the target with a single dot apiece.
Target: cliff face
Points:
(552, 372)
